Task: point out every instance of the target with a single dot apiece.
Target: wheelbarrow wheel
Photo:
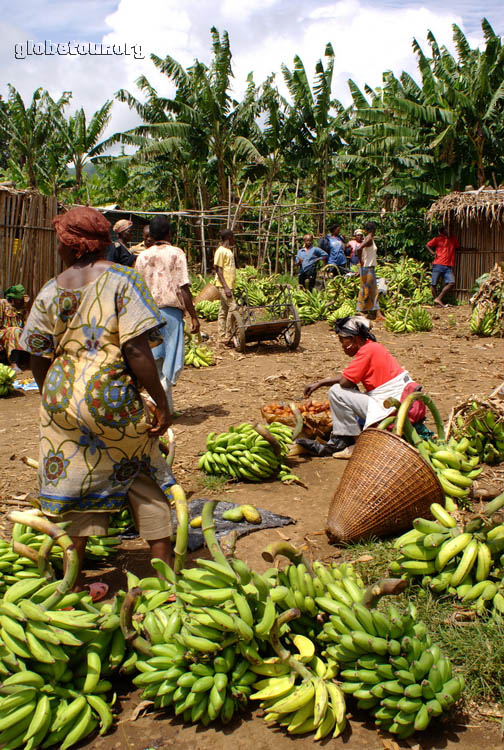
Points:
(292, 335)
(237, 331)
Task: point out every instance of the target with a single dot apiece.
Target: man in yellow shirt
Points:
(225, 277)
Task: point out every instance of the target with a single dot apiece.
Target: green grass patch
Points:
(213, 482)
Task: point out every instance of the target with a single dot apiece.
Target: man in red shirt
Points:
(442, 248)
(380, 374)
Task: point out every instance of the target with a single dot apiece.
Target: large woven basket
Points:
(385, 486)
(209, 292)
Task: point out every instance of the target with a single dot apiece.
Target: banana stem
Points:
(410, 434)
(126, 613)
(71, 560)
(496, 504)
(299, 420)
(280, 650)
(385, 587)
(167, 447)
(182, 528)
(228, 543)
(275, 549)
(266, 434)
(386, 422)
(429, 403)
(208, 529)
(23, 551)
(43, 555)
(30, 462)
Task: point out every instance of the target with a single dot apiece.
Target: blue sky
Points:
(369, 37)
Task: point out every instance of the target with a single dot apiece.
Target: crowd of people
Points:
(105, 341)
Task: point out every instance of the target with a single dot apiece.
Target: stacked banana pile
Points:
(208, 310)
(52, 692)
(454, 467)
(244, 453)
(197, 355)
(487, 318)
(408, 320)
(205, 638)
(482, 423)
(343, 311)
(466, 563)
(7, 377)
(311, 306)
(391, 667)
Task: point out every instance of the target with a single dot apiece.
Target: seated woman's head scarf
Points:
(83, 230)
(355, 325)
(15, 292)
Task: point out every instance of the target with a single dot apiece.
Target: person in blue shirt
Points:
(334, 245)
(307, 259)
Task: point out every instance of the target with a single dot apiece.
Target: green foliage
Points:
(405, 232)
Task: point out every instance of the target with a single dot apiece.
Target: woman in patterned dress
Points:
(88, 337)
(12, 319)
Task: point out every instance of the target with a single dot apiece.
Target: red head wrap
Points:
(84, 230)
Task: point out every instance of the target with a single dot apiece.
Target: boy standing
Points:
(442, 248)
(225, 278)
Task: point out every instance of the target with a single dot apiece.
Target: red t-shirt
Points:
(373, 365)
(445, 249)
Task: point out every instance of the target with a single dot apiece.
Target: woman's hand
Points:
(310, 388)
(195, 325)
(161, 420)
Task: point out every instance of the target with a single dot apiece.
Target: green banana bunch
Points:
(408, 319)
(347, 308)
(391, 667)
(454, 466)
(315, 704)
(197, 355)
(311, 306)
(243, 453)
(481, 422)
(465, 563)
(209, 310)
(7, 377)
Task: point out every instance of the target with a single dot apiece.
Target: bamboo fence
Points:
(476, 218)
(27, 240)
(267, 236)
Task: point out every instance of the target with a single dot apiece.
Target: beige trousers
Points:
(227, 306)
(149, 507)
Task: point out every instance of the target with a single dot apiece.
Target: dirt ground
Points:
(449, 364)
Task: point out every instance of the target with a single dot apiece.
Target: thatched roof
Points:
(471, 205)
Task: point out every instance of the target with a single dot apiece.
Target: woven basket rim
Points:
(411, 447)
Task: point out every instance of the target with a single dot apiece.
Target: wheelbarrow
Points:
(272, 322)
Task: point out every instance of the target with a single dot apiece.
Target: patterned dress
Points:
(11, 327)
(93, 428)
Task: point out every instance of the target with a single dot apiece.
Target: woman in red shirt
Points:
(373, 366)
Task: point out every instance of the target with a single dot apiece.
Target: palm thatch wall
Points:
(27, 240)
(476, 218)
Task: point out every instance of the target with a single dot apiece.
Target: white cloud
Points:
(368, 39)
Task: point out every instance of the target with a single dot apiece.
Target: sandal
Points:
(97, 590)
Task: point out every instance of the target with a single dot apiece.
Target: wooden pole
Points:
(266, 239)
(232, 224)
(277, 244)
(229, 201)
(202, 231)
(259, 228)
(294, 229)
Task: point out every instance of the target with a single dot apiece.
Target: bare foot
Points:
(379, 316)
(438, 303)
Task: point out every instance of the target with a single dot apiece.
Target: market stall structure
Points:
(476, 218)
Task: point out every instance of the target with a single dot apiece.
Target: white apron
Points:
(391, 389)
